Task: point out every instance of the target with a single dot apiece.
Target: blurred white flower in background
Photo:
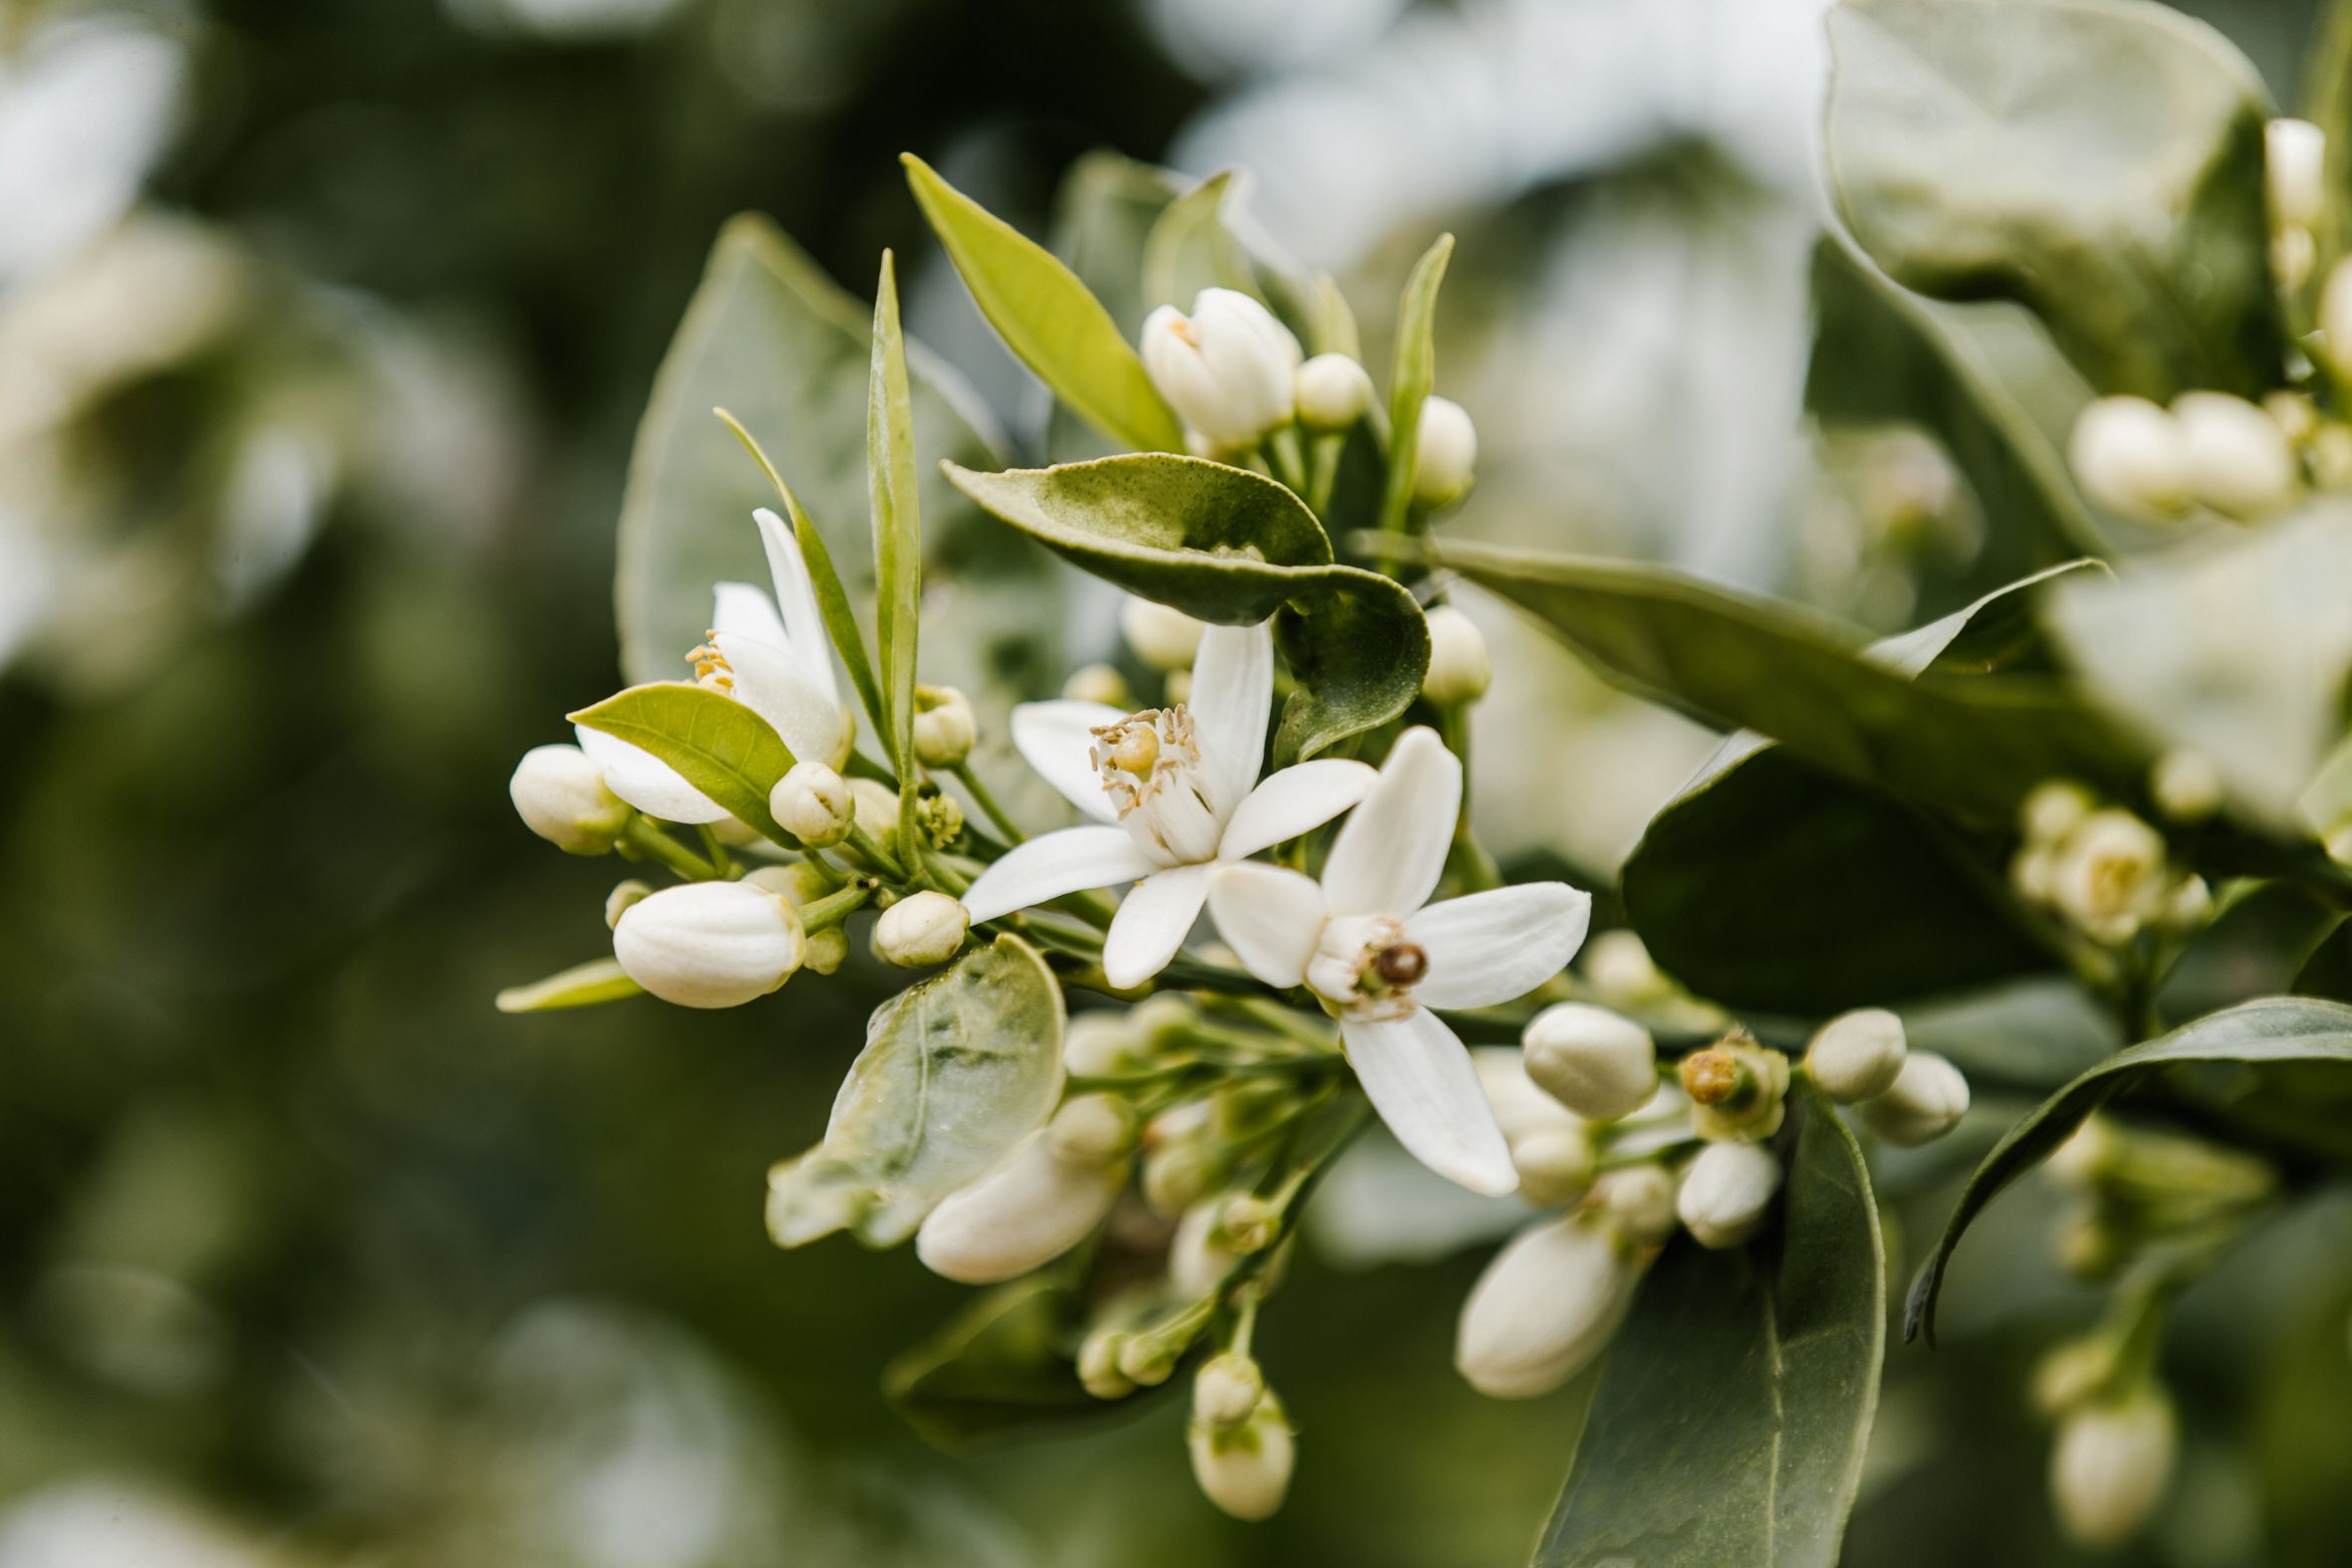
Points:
(97, 1521)
(86, 109)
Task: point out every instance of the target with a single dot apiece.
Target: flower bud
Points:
(1200, 1256)
(1591, 1060)
(877, 810)
(1098, 1045)
(2110, 877)
(624, 895)
(2130, 456)
(1094, 1129)
(2083, 1161)
(826, 950)
(1334, 392)
(921, 930)
(1098, 1364)
(1726, 1192)
(2239, 460)
(710, 944)
(1927, 1101)
(1032, 1208)
(1227, 1390)
(2189, 907)
(797, 882)
(944, 726)
(560, 795)
(1099, 683)
(1738, 1090)
(2111, 1465)
(1543, 1308)
(1163, 1022)
(1175, 1175)
(2335, 316)
(940, 819)
(2072, 1373)
(1556, 1166)
(2295, 157)
(1244, 1471)
(1250, 1224)
(2186, 784)
(1856, 1054)
(1164, 638)
(1226, 369)
(2053, 810)
(1639, 1199)
(1458, 669)
(814, 804)
(1445, 452)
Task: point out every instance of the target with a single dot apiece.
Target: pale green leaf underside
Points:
(715, 743)
(582, 986)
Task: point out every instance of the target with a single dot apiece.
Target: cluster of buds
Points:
(2103, 870)
(2118, 1437)
(2135, 1192)
(1907, 1097)
(2212, 450)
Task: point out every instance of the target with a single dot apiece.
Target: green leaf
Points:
(716, 744)
(1218, 543)
(898, 527)
(582, 986)
(1359, 646)
(1731, 1420)
(2270, 1031)
(1411, 380)
(1974, 744)
(1190, 248)
(2098, 161)
(2327, 104)
(1102, 220)
(956, 1070)
(1047, 317)
(1002, 1367)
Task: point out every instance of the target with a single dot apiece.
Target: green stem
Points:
(1476, 867)
(1282, 452)
(874, 854)
(715, 852)
(820, 914)
(986, 801)
(654, 844)
(1323, 474)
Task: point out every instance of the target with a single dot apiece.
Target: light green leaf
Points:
(716, 744)
(1411, 380)
(1330, 323)
(1359, 646)
(898, 525)
(2274, 1031)
(1047, 317)
(2099, 160)
(1190, 248)
(2327, 104)
(956, 1070)
(1102, 220)
(582, 986)
(1001, 1368)
(1733, 1414)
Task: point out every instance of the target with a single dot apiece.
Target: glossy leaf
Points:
(1048, 317)
(956, 1070)
(1411, 378)
(1102, 220)
(716, 744)
(2269, 1032)
(2099, 160)
(1190, 248)
(582, 986)
(897, 522)
(1732, 1417)
(1000, 1367)
(1359, 646)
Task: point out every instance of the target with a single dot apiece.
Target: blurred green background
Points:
(324, 329)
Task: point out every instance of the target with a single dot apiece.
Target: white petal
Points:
(1388, 857)
(770, 682)
(1491, 946)
(1152, 923)
(645, 782)
(1232, 699)
(1290, 802)
(1420, 1079)
(796, 595)
(1070, 861)
(1269, 916)
(742, 610)
(1058, 740)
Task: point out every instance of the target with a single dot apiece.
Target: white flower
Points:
(1174, 792)
(1445, 452)
(710, 944)
(919, 930)
(2130, 456)
(1544, 1307)
(2111, 1465)
(1857, 1054)
(1363, 943)
(768, 651)
(2109, 876)
(561, 796)
(1591, 1060)
(1226, 369)
(1928, 1099)
(1034, 1205)
(1726, 1193)
(2240, 462)
(814, 804)
(2294, 153)
(1334, 392)
(1460, 669)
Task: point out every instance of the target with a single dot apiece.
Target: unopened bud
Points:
(1098, 1364)
(1726, 1192)
(940, 819)
(2131, 457)
(2111, 1465)
(1245, 1471)
(2073, 1373)
(2186, 785)
(1928, 1099)
(2295, 157)
(1227, 1389)
(1596, 1064)
(2053, 810)
(1226, 369)
(1639, 1199)
(1556, 1166)
(877, 810)
(1334, 392)
(2110, 876)
(1175, 1175)
(814, 804)
(2084, 1160)
(1250, 1224)
(1099, 683)
(1446, 452)
(622, 896)
(1545, 1306)
(944, 726)
(1163, 1022)
(1094, 1129)
(1458, 669)
(1856, 1054)
(797, 882)
(1200, 1256)
(1098, 1045)
(1164, 638)
(1031, 1208)
(2239, 460)
(921, 930)
(560, 795)
(710, 944)
(2189, 907)
(826, 950)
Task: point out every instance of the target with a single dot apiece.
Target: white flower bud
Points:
(1164, 638)
(1226, 369)
(2335, 316)
(944, 726)
(1334, 392)
(2110, 876)
(2189, 907)
(1618, 968)
(2293, 253)
(1458, 669)
(2130, 456)
(2186, 785)
(1591, 1060)
(1174, 1176)
(2088, 1154)
(876, 806)
(1094, 1129)
(1726, 1192)
(1639, 1199)
(1927, 1101)
(1246, 1471)
(814, 804)
(1554, 1168)
(1032, 1208)
(560, 795)
(1856, 1054)
(2294, 153)
(1098, 1364)
(1198, 1259)
(2111, 1465)
(2239, 463)
(1543, 1308)
(1099, 683)
(921, 930)
(1227, 1390)
(624, 895)
(1163, 1022)
(2053, 810)
(1098, 1045)
(826, 950)
(1445, 452)
(710, 944)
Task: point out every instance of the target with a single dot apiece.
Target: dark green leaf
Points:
(1733, 1414)
(716, 744)
(1359, 646)
(1003, 1365)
